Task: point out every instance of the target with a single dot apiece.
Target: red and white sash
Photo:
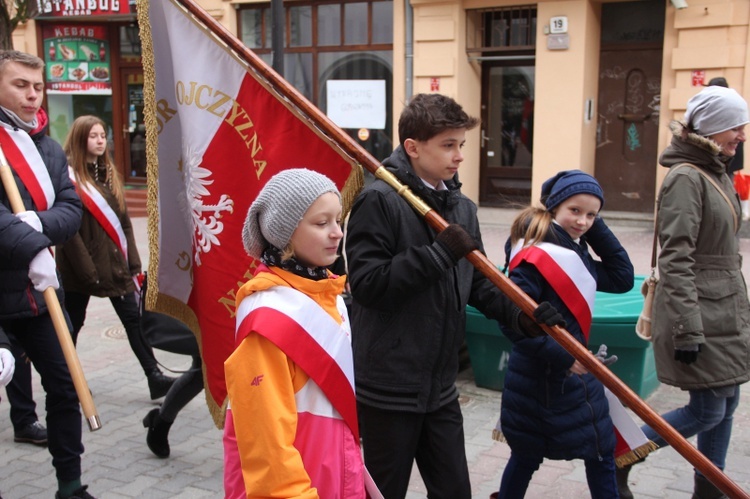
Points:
(308, 335)
(24, 157)
(102, 212)
(564, 270)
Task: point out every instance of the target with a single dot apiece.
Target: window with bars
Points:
(501, 29)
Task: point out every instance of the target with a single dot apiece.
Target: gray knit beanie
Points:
(280, 206)
(716, 109)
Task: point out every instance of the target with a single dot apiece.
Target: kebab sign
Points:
(78, 59)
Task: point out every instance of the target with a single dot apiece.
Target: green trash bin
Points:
(613, 324)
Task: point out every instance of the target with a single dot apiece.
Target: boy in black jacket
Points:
(410, 288)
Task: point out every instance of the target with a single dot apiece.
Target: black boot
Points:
(704, 489)
(621, 474)
(158, 383)
(157, 437)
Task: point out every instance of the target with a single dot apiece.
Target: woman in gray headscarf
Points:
(701, 328)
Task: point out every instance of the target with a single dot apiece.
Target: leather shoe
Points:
(77, 494)
(33, 433)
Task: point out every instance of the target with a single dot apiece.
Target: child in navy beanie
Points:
(568, 183)
(549, 257)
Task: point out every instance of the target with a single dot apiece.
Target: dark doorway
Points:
(133, 127)
(629, 104)
(507, 132)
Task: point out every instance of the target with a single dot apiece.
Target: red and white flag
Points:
(216, 132)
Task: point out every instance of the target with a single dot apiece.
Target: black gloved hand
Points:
(456, 241)
(545, 314)
(687, 355)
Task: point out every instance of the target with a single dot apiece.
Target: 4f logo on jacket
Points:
(256, 380)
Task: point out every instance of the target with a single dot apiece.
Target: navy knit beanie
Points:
(569, 183)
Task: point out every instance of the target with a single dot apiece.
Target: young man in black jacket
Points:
(27, 266)
(410, 288)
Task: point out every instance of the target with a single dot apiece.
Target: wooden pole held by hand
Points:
(56, 313)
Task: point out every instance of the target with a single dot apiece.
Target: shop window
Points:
(130, 42)
(297, 71)
(329, 24)
(346, 40)
(300, 26)
(355, 23)
(382, 22)
(256, 27)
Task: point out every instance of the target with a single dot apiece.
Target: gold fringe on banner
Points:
(635, 455)
(154, 300)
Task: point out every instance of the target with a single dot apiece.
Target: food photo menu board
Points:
(77, 59)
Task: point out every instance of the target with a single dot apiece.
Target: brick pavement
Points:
(117, 464)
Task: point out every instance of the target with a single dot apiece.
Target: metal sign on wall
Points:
(77, 59)
(63, 8)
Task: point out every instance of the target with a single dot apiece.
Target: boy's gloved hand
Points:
(43, 271)
(687, 354)
(601, 354)
(31, 218)
(545, 314)
(7, 366)
(456, 241)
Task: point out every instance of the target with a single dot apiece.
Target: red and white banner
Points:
(216, 132)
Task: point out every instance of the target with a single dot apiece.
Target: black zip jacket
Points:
(20, 243)
(408, 312)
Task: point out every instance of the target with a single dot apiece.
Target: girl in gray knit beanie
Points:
(292, 371)
(277, 211)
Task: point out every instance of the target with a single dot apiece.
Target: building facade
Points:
(559, 84)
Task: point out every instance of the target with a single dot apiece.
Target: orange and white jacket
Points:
(285, 435)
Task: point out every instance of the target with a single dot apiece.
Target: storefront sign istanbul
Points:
(56, 8)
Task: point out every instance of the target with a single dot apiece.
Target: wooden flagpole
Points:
(480, 261)
(56, 313)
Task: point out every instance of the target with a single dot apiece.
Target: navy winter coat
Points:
(547, 411)
(20, 243)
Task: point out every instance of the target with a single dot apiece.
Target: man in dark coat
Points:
(27, 266)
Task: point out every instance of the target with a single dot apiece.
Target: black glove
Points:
(545, 314)
(687, 355)
(456, 241)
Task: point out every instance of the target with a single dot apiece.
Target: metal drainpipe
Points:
(409, 48)
(277, 35)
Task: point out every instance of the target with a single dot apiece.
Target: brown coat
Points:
(91, 263)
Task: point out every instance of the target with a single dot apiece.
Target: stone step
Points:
(135, 199)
